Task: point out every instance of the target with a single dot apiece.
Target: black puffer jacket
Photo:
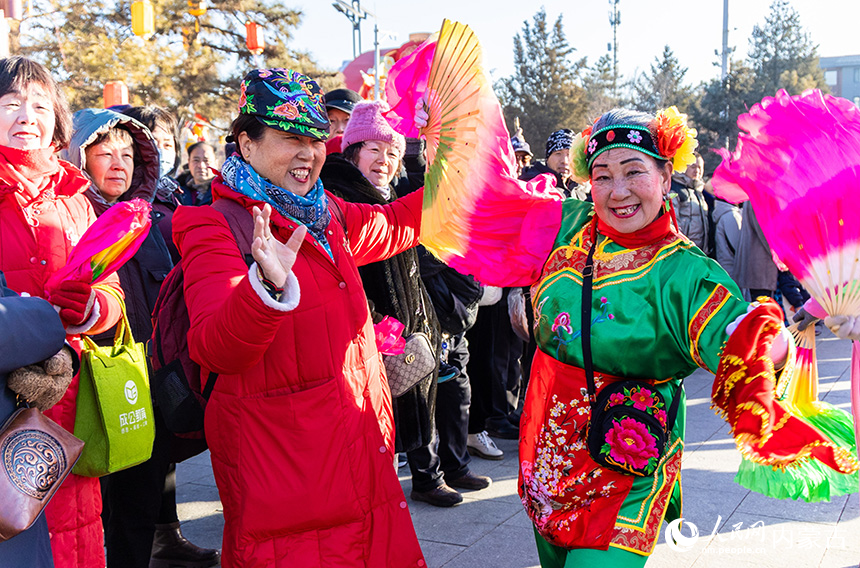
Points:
(393, 288)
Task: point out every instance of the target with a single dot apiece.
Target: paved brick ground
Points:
(491, 529)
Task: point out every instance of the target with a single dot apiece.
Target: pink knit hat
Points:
(367, 123)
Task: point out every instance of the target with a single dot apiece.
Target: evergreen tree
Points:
(716, 113)
(544, 90)
(598, 82)
(782, 54)
(189, 64)
(663, 86)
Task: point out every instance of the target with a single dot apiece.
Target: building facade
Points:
(842, 75)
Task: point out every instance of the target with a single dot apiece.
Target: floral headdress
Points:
(285, 100)
(667, 138)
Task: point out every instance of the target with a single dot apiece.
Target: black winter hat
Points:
(342, 99)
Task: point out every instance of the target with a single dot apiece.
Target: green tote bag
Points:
(114, 408)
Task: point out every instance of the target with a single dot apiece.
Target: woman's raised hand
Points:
(274, 258)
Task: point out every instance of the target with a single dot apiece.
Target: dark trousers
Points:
(135, 500)
(446, 454)
(494, 367)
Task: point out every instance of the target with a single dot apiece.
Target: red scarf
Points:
(660, 228)
(38, 175)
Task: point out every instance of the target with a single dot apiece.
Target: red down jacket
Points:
(39, 225)
(299, 423)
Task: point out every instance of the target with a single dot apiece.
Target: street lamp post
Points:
(355, 13)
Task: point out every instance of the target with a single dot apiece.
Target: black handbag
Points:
(630, 426)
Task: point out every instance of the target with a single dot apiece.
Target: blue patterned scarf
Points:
(310, 210)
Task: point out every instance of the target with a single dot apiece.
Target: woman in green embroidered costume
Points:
(660, 308)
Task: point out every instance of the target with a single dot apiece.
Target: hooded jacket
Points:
(142, 275)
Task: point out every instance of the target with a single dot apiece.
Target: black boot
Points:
(172, 550)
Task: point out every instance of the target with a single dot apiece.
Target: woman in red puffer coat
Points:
(299, 423)
(43, 213)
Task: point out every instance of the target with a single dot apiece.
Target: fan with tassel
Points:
(473, 202)
(797, 391)
(798, 162)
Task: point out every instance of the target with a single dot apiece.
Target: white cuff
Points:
(290, 298)
(87, 325)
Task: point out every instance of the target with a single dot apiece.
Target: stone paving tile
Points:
(206, 530)
(774, 542)
(437, 554)
(194, 473)
(521, 520)
(839, 559)
(503, 547)
(823, 512)
(464, 524)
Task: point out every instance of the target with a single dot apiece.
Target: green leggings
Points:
(552, 556)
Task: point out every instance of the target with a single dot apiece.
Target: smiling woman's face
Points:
(290, 161)
(628, 188)
(27, 119)
(378, 161)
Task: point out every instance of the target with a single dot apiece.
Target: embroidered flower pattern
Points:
(634, 136)
(592, 145)
(562, 321)
(552, 495)
(562, 328)
(630, 446)
(630, 443)
(642, 399)
(287, 110)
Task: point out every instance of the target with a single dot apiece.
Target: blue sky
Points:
(692, 28)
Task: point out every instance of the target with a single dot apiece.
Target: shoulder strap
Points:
(241, 225)
(337, 212)
(587, 277)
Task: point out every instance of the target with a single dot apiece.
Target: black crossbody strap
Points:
(673, 409)
(587, 277)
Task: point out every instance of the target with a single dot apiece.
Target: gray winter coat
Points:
(754, 266)
(691, 210)
(727, 219)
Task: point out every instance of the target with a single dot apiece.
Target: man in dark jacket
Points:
(558, 163)
(31, 332)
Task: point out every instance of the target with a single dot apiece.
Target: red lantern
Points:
(14, 9)
(254, 40)
(196, 7)
(115, 93)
